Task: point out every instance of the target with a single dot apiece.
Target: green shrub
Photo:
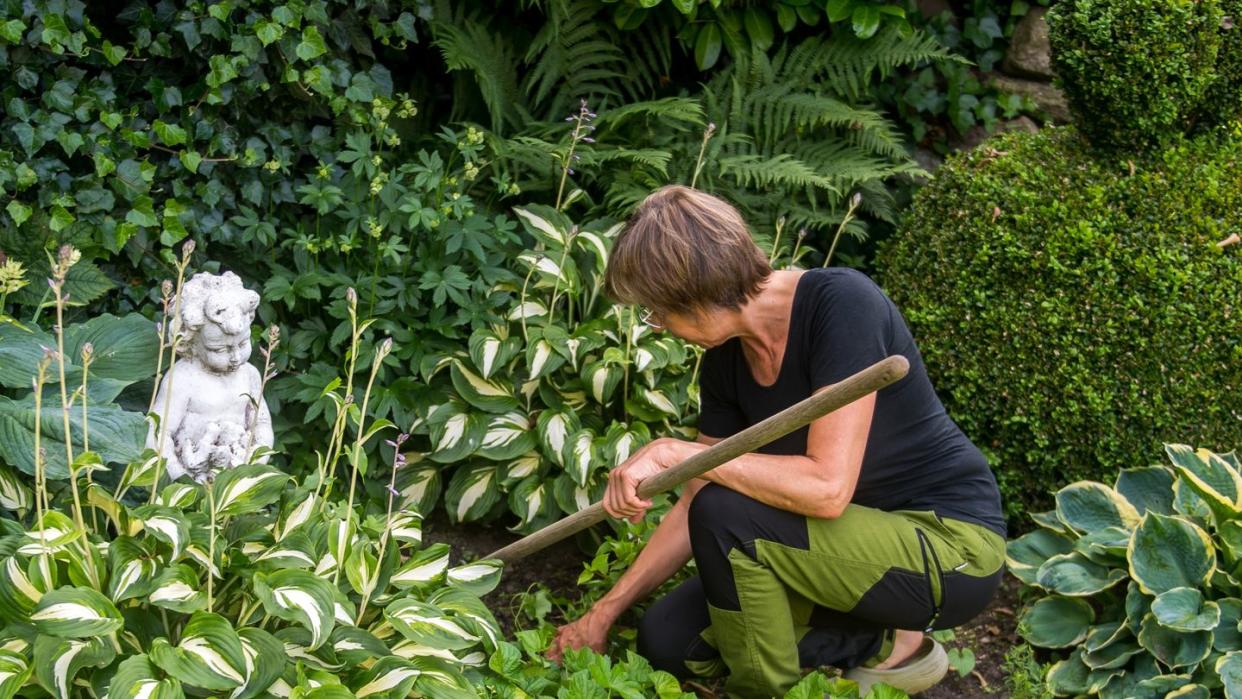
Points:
(1137, 72)
(1139, 581)
(1223, 100)
(1072, 312)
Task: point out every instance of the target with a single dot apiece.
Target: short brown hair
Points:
(684, 251)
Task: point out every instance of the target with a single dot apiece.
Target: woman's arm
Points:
(819, 484)
(665, 553)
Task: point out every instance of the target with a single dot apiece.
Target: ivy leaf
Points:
(311, 46)
(114, 54)
(143, 213)
(19, 211)
(170, 134)
(191, 159)
(61, 219)
(268, 32)
(11, 31)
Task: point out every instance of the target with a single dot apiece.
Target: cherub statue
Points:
(212, 421)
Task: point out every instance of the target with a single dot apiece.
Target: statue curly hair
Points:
(221, 300)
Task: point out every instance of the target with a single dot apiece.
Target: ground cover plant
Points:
(1137, 581)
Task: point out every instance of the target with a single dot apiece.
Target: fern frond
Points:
(468, 45)
(784, 170)
(573, 56)
(848, 62)
(671, 111)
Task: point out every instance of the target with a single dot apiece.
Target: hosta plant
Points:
(1138, 582)
(539, 407)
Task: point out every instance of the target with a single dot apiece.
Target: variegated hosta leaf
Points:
(75, 612)
(297, 513)
(265, 661)
(571, 497)
(141, 473)
(546, 224)
(209, 656)
(362, 570)
(428, 625)
(55, 532)
(541, 358)
(1211, 477)
(477, 578)
(659, 400)
(601, 380)
(489, 395)
(19, 593)
(177, 588)
(620, 443)
(507, 437)
(554, 430)
(14, 672)
(594, 244)
(470, 611)
(580, 456)
(441, 679)
(522, 467)
(650, 356)
(342, 534)
(389, 678)
(527, 310)
(99, 498)
(1169, 552)
(551, 271)
(133, 569)
(1147, 488)
(180, 495)
(490, 353)
(1028, 552)
(294, 551)
(301, 597)
(138, 678)
(407, 527)
(472, 493)
(419, 487)
(424, 570)
(355, 646)
(58, 661)
(165, 524)
(532, 501)
(247, 488)
(1087, 506)
(14, 496)
(456, 437)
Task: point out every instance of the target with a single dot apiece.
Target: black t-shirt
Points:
(916, 457)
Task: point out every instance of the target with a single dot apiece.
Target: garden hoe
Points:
(873, 378)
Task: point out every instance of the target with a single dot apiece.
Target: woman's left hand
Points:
(621, 499)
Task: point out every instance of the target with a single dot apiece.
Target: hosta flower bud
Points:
(351, 296)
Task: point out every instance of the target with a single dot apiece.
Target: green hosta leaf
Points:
(1184, 609)
(541, 358)
(1028, 552)
(1057, 622)
(210, 655)
(389, 678)
(424, 570)
(1229, 667)
(57, 661)
(76, 612)
(488, 395)
(554, 431)
(1050, 521)
(1159, 686)
(1169, 552)
(1148, 488)
(1210, 477)
(1073, 575)
(1088, 506)
(490, 353)
(118, 435)
(177, 588)
(137, 678)
(1190, 691)
(580, 456)
(14, 672)
(476, 578)
(1069, 677)
(546, 224)
(1174, 648)
(246, 489)
(507, 437)
(472, 493)
(427, 625)
(301, 597)
(265, 661)
(457, 437)
(1106, 546)
(14, 495)
(1227, 636)
(294, 551)
(470, 611)
(1109, 646)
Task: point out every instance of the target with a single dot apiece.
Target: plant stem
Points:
(175, 328)
(698, 164)
(41, 501)
(849, 216)
(383, 544)
(357, 451)
(86, 432)
(211, 544)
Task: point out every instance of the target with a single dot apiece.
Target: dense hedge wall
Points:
(1074, 312)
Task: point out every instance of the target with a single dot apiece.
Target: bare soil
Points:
(990, 635)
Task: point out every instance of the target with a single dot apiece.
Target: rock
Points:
(1049, 98)
(927, 159)
(1022, 123)
(1029, 54)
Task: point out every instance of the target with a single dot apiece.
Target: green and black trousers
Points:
(777, 591)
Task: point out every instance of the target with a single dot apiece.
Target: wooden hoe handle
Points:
(871, 379)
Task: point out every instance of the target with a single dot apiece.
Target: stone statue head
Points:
(216, 314)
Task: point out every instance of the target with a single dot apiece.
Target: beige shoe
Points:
(920, 672)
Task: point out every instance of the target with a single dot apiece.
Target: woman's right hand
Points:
(591, 631)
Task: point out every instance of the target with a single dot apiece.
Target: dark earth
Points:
(989, 636)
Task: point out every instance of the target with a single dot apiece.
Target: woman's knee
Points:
(714, 507)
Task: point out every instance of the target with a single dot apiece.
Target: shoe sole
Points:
(917, 676)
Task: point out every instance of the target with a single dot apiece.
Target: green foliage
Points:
(1024, 675)
(1142, 73)
(1149, 603)
(1050, 293)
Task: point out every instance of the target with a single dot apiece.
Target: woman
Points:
(840, 544)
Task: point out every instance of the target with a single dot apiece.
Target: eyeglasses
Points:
(648, 316)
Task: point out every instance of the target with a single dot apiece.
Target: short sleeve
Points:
(719, 414)
(851, 328)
